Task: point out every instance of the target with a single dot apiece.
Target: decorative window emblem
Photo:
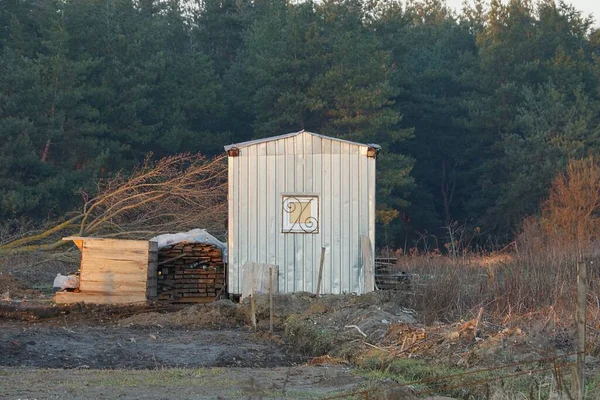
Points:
(300, 214)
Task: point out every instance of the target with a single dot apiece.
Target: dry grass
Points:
(538, 278)
(443, 288)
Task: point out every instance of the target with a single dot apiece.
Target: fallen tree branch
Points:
(375, 347)
(173, 194)
(357, 328)
(41, 236)
(33, 248)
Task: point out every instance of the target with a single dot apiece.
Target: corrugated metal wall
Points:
(343, 177)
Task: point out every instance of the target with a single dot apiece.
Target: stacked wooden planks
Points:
(388, 276)
(190, 272)
(114, 271)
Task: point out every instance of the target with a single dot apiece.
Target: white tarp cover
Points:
(66, 281)
(193, 236)
(257, 275)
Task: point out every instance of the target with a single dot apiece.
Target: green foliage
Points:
(422, 376)
(435, 59)
(539, 100)
(90, 88)
(475, 111)
(322, 68)
(307, 337)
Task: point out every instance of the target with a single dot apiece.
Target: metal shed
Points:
(293, 194)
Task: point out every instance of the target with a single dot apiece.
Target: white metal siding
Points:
(343, 177)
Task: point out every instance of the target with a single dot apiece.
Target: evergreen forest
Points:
(476, 110)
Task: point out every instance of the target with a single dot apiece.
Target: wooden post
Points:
(321, 271)
(581, 321)
(270, 299)
(479, 315)
(575, 382)
(252, 309)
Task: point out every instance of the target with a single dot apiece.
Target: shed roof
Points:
(289, 135)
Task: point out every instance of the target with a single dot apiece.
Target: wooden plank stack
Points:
(388, 276)
(114, 271)
(190, 273)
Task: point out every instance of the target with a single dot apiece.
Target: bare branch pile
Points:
(174, 194)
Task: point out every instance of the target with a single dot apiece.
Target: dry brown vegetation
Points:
(534, 283)
(571, 215)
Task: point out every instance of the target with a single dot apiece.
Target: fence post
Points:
(270, 299)
(319, 281)
(581, 322)
(252, 309)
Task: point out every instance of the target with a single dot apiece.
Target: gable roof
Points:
(289, 135)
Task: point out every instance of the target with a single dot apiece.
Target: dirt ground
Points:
(208, 351)
(106, 337)
(157, 352)
(82, 347)
(12, 288)
(172, 351)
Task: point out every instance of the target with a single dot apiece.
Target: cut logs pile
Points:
(190, 272)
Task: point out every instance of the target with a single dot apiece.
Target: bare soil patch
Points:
(375, 331)
(79, 336)
(138, 348)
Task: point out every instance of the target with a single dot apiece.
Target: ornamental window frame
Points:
(304, 220)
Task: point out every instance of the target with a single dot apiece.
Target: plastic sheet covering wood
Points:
(193, 236)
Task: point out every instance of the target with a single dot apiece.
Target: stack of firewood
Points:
(190, 272)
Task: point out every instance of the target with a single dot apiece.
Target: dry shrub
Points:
(173, 194)
(543, 274)
(538, 277)
(571, 215)
(443, 288)
(14, 228)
